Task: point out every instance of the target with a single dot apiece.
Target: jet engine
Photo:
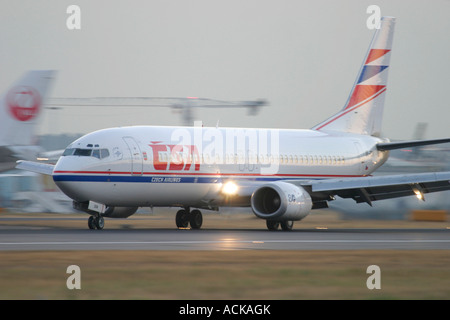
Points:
(281, 201)
(119, 212)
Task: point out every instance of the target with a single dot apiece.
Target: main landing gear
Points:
(96, 222)
(185, 217)
(285, 225)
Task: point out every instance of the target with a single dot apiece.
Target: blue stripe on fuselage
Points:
(142, 179)
(158, 179)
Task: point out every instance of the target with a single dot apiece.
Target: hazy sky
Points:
(301, 56)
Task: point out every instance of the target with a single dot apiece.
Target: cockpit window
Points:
(82, 152)
(96, 153)
(85, 152)
(68, 152)
(104, 153)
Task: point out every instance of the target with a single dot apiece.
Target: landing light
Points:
(230, 188)
(419, 194)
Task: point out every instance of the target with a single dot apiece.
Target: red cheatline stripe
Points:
(349, 110)
(361, 93)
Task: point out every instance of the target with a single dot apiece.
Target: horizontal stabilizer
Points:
(409, 144)
(43, 168)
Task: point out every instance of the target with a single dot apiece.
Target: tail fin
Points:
(21, 106)
(363, 111)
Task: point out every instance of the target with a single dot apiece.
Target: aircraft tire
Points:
(196, 219)
(100, 223)
(91, 222)
(182, 219)
(287, 225)
(272, 225)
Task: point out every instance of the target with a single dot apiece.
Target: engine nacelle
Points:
(119, 212)
(281, 201)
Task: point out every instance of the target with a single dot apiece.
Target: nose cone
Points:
(67, 176)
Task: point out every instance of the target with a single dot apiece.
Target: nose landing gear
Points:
(96, 222)
(185, 217)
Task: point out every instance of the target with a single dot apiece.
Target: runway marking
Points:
(219, 241)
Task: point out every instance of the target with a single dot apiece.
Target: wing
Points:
(365, 189)
(370, 189)
(43, 168)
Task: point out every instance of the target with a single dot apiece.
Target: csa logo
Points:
(23, 103)
(178, 157)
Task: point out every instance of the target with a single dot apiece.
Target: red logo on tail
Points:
(23, 102)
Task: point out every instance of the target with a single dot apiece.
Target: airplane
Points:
(282, 174)
(20, 108)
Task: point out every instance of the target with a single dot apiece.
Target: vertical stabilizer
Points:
(20, 107)
(363, 111)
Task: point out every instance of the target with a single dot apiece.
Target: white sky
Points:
(301, 56)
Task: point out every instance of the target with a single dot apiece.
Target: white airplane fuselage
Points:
(188, 166)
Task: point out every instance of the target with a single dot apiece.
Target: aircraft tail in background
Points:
(20, 107)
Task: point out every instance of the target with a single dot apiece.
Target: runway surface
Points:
(38, 233)
(232, 257)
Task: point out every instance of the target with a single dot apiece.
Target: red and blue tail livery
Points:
(363, 111)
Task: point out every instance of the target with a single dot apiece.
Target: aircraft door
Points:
(360, 157)
(136, 156)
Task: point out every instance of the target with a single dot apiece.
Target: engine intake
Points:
(281, 201)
